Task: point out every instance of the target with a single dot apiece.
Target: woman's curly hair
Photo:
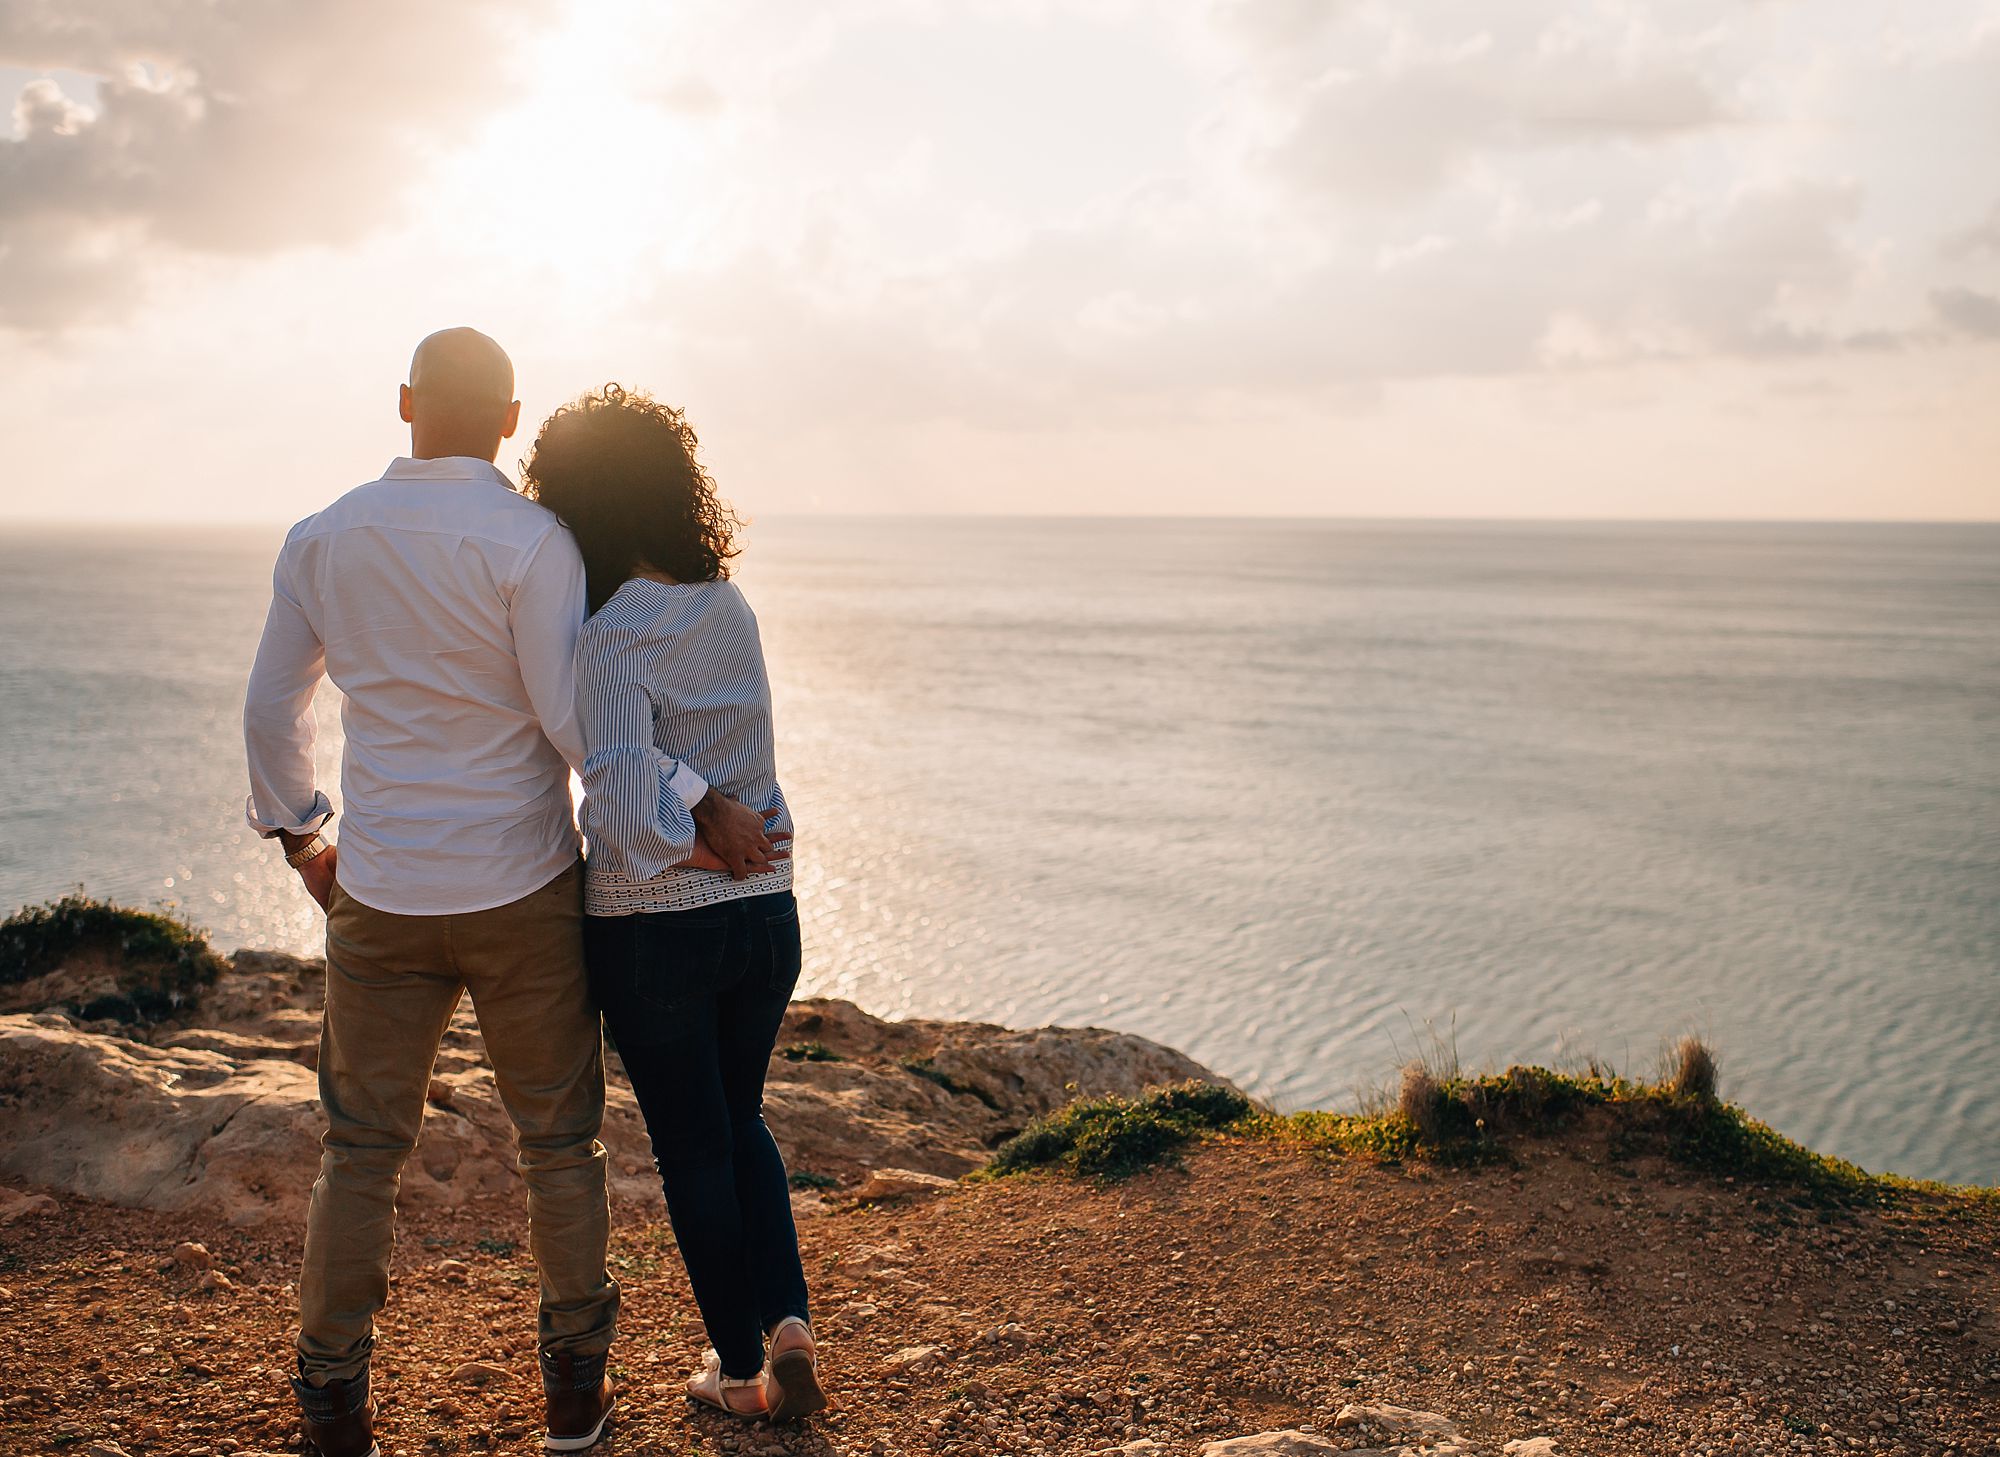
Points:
(619, 470)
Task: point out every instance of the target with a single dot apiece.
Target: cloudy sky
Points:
(1707, 258)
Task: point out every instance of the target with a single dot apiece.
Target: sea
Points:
(1305, 799)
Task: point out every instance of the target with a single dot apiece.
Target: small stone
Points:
(914, 1361)
(885, 1184)
(478, 1373)
(1530, 1447)
(439, 1094)
(216, 1280)
(452, 1269)
(193, 1256)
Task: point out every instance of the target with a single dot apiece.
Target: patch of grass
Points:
(1443, 1117)
(162, 963)
(1466, 1120)
(805, 1179)
(1386, 1137)
(930, 1072)
(810, 1052)
(1114, 1138)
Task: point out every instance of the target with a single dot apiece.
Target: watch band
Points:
(317, 846)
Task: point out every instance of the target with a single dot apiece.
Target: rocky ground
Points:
(1258, 1298)
(1256, 1290)
(216, 1111)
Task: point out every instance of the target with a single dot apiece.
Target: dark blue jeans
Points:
(693, 1001)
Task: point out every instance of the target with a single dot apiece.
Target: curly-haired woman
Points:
(693, 966)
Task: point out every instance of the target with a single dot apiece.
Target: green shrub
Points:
(1113, 1138)
(160, 962)
(1464, 1120)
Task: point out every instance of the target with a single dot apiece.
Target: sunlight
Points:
(592, 173)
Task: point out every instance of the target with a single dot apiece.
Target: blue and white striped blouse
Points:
(672, 697)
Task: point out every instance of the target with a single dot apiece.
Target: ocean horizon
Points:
(1299, 796)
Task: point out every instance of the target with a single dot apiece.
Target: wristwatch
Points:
(317, 846)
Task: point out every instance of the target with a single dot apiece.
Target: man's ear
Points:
(511, 422)
(403, 402)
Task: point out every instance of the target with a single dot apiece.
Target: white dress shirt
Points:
(445, 607)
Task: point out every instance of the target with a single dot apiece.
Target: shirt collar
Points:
(445, 468)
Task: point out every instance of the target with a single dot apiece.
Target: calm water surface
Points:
(1282, 794)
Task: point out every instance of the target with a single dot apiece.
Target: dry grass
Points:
(1691, 1070)
(1421, 1103)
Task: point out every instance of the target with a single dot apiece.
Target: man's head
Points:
(460, 398)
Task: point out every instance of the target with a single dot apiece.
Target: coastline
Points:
(1513, 1258)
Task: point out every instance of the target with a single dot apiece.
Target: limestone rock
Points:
(1397, 1421)
(1274, 1444)
(217, 1110)
(113, 1119)
(239, 1046)
(1530, 1447)
(883, 1184)
(15, 1205)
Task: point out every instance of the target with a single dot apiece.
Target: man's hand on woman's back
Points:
(735, 837)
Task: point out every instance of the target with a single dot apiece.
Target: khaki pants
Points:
(392, 983)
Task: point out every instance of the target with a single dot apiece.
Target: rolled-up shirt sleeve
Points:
(278, 727)
(637, 799)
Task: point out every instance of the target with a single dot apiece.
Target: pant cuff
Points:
(586, 1372)
(326, 1403)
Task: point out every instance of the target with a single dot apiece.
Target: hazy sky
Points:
(1428, 257)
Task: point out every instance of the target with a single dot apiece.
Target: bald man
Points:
(445, 607)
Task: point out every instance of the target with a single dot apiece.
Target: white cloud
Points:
(1969, 311)
(902, 222)
(43, 107)
(230, 127)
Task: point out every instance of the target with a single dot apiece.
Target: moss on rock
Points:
(157, 963)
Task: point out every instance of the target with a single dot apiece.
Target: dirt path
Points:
(1629, 1310)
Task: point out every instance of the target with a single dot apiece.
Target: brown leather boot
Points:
(579, 1400)
(338, 1420)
